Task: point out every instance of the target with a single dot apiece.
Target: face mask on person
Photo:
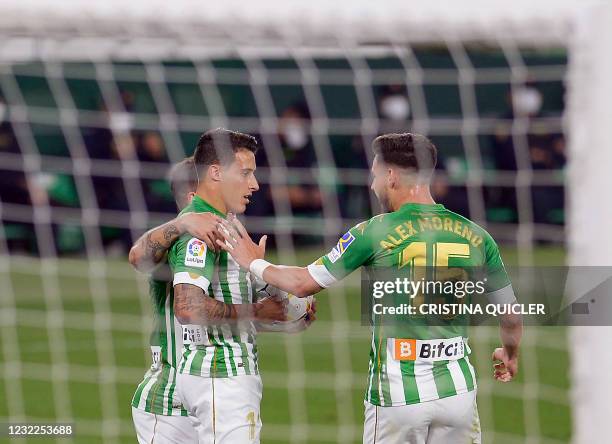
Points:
(526, 101)
(295, 136)
(121, 122)
(395, 107)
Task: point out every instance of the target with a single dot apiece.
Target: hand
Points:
(505, 367)
(238, 243)
(311, 313)
(202, 226)
(305, 322)
(271, 309)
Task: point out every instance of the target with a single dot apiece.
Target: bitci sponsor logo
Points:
(428, 350)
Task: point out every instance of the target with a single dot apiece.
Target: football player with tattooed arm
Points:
(413, 396)
(157, 409)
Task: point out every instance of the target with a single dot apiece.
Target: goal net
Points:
(98, 100)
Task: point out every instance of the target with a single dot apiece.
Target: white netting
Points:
(101, 98)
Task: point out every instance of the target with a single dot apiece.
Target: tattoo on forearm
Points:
(157, 241)
(191, 305)
(171, 233)
(153, 248)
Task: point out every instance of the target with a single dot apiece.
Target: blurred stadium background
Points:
(93, 112)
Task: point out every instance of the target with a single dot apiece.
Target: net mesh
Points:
(84, 149)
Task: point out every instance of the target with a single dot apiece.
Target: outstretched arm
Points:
(295, 280)
(238, 243)
(193, 306)
(151, 247)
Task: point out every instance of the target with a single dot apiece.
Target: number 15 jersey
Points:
(413, 360)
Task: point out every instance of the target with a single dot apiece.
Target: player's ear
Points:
(392, 178)
(214, 172)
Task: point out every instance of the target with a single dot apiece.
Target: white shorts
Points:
(163, 429)
(446, 420)
(227, 408)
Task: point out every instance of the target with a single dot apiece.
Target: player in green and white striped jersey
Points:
(218, 379)
(158, 414)
(421, 385)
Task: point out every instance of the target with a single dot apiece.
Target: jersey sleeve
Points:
(498, 286)
(353, 250)
(192, 262)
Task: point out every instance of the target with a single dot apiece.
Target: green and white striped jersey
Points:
(411, 360)
(214, 350)
(157, 391)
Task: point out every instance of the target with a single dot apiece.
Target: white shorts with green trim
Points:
(448, 420)
(164, 429)
(227, 408)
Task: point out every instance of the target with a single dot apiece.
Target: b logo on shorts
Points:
(426, 350)
(405, 349)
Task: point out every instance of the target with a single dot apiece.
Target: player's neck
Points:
(418, 194)
(212, 197)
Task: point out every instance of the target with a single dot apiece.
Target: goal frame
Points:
(155, 29)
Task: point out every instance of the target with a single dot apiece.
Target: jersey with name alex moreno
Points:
(413, 360)
(221, 350)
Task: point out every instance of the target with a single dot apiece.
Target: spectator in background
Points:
(150, 148)
(393, 103)
(546, 151)
(299, 155)
(17, 188)
(99, 140)
(525, 102)
(354, 200)
(111, 141)
(13, 185)
(393, 109)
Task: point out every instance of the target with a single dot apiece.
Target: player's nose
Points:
(254, 185)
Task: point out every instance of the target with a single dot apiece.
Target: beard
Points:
(383, 200)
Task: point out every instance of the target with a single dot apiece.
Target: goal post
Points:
(152, 32)
(587, 111)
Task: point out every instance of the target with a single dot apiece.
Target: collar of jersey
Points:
(421, 206)
(201, 206)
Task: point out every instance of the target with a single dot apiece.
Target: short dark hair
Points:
(407, 150)
(219, 146)
(183, 179)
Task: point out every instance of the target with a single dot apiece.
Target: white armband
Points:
(502, 296)
(321, 275)
(257, 268)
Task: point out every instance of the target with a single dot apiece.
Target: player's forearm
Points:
(192, 306)
(150, 248)
(294, 280)
(511, 331)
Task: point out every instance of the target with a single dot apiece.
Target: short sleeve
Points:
(353, 250)
(192, 262)
(496, 275)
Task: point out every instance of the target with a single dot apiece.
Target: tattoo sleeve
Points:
(193, 306)
(150, 249)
